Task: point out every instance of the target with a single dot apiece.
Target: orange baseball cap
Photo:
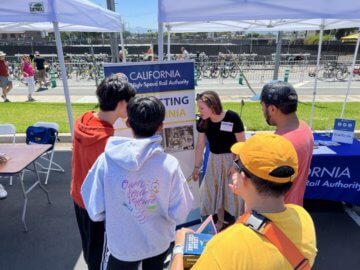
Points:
(265, 155)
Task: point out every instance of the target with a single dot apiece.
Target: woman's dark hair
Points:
(113, 89)
(212, 100)
(145, 115)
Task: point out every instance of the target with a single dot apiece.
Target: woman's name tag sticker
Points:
(226, 126)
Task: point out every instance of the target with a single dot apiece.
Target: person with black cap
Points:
(279, 102)
(40, 63)
(270, 234)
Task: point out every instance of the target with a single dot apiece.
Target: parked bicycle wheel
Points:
(207, 72)
(327, 75)
(233, 72)
(342, 75)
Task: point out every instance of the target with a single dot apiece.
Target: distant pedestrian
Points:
(5, 81)
(40, 70)
(28, 72)
(184, 54)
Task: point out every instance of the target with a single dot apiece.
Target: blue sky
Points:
(135, 13)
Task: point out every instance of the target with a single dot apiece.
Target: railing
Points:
(86, 67)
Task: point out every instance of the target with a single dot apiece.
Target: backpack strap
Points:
(267, 228)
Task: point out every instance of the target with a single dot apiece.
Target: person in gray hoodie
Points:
(139, 190)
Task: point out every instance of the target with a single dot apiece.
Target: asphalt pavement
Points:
(53, 241)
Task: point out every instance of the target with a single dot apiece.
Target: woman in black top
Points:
(222, 129)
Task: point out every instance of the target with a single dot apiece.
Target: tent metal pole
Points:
(277, 56)
(316, 73)
(63, 75)
(168, 43)
(160, 42)
(122, 43)
(351, 74)
(113, 39)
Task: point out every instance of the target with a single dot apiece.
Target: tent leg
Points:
(63, 75)
(316, 75)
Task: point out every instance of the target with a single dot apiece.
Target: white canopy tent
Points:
(56, 16)
(259, 15)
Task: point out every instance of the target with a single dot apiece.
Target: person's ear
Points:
(244, 179)
(272, 108)
(160, 128)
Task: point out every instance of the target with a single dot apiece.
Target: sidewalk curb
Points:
(65, 138)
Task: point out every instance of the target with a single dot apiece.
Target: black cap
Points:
(278, 92)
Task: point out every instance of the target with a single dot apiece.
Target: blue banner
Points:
(335, 177)
(156, 77)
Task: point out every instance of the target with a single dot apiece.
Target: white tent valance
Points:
(259, 25)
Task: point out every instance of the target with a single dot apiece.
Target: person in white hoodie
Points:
(139, 190)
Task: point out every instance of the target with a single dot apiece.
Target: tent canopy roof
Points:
(257, 15)
(72, 15)
(219, 10)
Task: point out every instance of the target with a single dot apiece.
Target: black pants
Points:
(153, 263)
(92, 237)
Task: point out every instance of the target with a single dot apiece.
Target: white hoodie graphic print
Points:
(141, 193)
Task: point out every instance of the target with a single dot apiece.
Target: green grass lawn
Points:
(23, 114)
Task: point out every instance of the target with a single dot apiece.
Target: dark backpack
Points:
(41, 135)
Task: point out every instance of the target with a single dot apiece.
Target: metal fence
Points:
(87, 67)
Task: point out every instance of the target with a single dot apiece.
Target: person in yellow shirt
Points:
(264, 171)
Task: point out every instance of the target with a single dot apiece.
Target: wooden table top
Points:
(20, 156)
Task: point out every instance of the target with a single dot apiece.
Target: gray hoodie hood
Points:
(118, 149)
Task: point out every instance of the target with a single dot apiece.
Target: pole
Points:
(277, 56)
(63, 75)
(113, 42)
(316, 73)
(168, 43)
(122, 43)
(251, 42)
(351, 74)
(160, 42)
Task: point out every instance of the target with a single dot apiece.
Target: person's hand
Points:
(235, 186)
(195, 173)
(180, 235)
(231, 171)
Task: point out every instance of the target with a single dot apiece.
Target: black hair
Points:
(113, 89)
(267, 187)
(280, 94)
(145, 115)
